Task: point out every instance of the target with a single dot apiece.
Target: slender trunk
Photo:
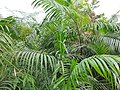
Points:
(78, 30)
(77, 27)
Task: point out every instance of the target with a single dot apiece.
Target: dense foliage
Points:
(72, 49)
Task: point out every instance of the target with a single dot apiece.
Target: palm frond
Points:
(103, 27)
(113, 41)
(51, 7)
(6, 85)
(99, 72)
(6, 42)
(107, 66)
(34, 61)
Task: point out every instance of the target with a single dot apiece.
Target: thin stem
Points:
(77, 27)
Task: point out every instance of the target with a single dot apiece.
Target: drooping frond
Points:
(107, 66)
(113, 41)
(34, 61)
(51, 7)
(99, 72)
(58, 9)
(6, 23)
(6, 42)
(103, 27)
(6, 85)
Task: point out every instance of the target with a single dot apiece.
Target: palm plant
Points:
(66, 52)
(78, 15)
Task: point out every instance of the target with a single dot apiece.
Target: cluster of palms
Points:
(72, 49)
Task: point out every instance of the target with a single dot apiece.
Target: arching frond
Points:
(6, 85)
(51, 7)
(107, 66)
(99, 72)
(113, 41)
(34, 61)
(6, 42)
(102, 27)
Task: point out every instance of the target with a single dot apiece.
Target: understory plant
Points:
(72, 49)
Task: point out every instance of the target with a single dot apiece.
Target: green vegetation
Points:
(72, 49)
